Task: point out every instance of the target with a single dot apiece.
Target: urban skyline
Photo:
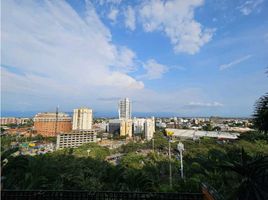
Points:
(134, 99)
(94, 53)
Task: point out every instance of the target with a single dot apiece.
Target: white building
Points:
(82, 119)
(124, 109)
(149, 128)
(138, 125)
(194, 134)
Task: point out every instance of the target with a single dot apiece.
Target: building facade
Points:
(49, 124)
(13, 120)
(82, 119)
(124, 109)
(138, 125)
(75, 138)
(149, 128)
(114, 126)
(126, 128)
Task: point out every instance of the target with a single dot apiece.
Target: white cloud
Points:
(234, 62)
(101, 2)
(154, 70)
(203, 104)
(176, 19)
(113, 14)
(73, 53)
(71, 61)
(130, 18)
(249, 6)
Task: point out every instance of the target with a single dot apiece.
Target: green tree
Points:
(261, 114)
(252, 174)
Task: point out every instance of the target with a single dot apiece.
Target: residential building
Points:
(75, 138)
(8, 120)
(138, 125)
(124, 109)
(126, 128)
(149, 128)
(82, 119)
(50, 123)
(13, 120)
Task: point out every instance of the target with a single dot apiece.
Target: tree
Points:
(261, 114)
(252, 173)
(207, 127)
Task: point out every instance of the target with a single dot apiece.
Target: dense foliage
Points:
(261, 114)
(141, 168)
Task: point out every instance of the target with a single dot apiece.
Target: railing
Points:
(85, 195)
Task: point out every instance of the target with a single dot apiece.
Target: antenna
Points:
(57, 115)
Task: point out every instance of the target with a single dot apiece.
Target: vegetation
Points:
(261, 114)
(234, 173)
(252, 173)
(7, 140)
(85, 168)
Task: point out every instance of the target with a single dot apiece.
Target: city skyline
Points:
(180, 58)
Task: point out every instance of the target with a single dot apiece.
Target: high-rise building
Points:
(50, 124)
(126, 127)
(124, 109)
(138, 125)
(82, 119)
(149, 128)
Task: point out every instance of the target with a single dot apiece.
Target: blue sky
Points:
(178, 57)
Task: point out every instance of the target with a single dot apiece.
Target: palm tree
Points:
(261, 114)
(252, 174)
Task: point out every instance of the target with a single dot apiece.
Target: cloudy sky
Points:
(178, 57)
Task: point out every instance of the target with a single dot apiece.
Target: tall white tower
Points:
(149, 128)
(82, 119)
(124, 109)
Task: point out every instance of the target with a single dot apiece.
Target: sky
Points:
(170, 57)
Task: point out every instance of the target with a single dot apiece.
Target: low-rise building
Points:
(13, 120)
(195, 134)
(75, 138)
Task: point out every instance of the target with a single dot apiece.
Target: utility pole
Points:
(153, 144)
(180, 148)
(170, 170)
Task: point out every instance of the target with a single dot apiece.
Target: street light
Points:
(153, 144)
(169, 134)
(180, 148)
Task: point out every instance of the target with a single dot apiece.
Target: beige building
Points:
(75, 138)
(82, 119)
(126, 127)
(149, 128)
